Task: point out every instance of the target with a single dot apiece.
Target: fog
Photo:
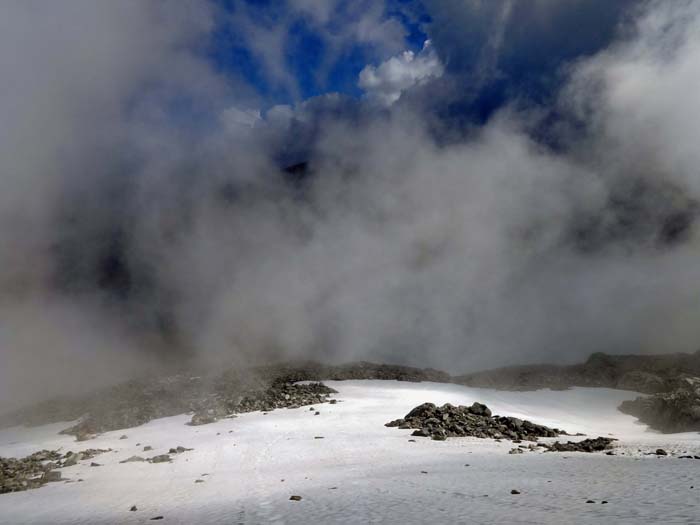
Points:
(146, 220)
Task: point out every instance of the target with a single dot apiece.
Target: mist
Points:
(147, 221)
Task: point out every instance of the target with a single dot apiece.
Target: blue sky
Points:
(293, 50)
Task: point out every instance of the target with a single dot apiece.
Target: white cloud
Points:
(386, 82)
(236, 119)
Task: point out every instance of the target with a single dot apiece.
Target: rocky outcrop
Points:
(675, 411)
(649, 374)
(208, 396)
(439, 423)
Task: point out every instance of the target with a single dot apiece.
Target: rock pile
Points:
(279, 395)
(28, 473)
(598, 444)
(439, 423)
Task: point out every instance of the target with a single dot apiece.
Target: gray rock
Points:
(133, 459)
(51, 476)
(439, 423)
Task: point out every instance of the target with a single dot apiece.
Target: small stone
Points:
(603, 502)
(333, 401)
(295, 498)
(423, 471)
(317, 414)
(515, 491)
(162, 458)
(157, 518)
(661, 452)
(133, 508)
(124, 437)
(93, 464)
(319, 437)
(199, 481)
(147, 448)
(590, 501)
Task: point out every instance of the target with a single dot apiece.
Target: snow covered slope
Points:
(363, 472)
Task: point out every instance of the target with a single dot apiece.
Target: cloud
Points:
(499, 51)
(145, 220)
(339, 28)
(385, 83)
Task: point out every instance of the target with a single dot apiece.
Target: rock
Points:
(157, 518)
(661, 452)
(72, 459)
(640, 381)
(162, 458)
(439, 423)
(133, 459)
(51, 476)
(133, 508)
(598, 444)
(179, 450)
(515, 451)
(147, 448)
(83, 436)
(124, 436)
(675, 411)
(515, 491)
(590, 501)
(199, 481)
(93, 464)
(295, 498)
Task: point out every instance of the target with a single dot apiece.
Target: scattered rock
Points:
(515, 451)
